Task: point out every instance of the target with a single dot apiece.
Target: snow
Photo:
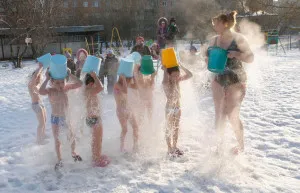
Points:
(270, 112)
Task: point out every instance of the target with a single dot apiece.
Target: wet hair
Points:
(193, 48)
(173, 69)
(229, 18)
(89, 79)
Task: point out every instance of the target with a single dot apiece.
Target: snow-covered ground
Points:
(271, 162)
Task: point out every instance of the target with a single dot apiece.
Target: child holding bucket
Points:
(145, 80)
(229, 85)
(37, 104)
(58, 98)
(122, 93)
(93, 87)
(172, 78)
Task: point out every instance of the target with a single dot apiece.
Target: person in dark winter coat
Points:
(172, 31)
(140, 47)
(109, 69)
(162, 32)
(70, 63)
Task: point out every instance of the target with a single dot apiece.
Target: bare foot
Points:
(236, 150)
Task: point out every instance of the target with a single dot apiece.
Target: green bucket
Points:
(147, 66)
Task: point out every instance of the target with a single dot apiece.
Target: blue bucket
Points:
(126, 67)
(217, 59)
(45, 60)
(58, 67)
(136, 57)
(91, 64)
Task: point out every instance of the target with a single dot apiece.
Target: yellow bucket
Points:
(168, 58)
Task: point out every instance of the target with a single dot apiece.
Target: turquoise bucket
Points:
(58, 67)
(136, 57)
(126, 67)
(45, 60)
(91, 64)
(217, 59)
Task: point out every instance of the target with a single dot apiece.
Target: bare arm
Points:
(188, 74)
(36, 73)
(166, 77)
(43, 90)
(98, 85)
(245, 54)
(76, 84)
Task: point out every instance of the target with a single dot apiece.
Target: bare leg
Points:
(123, 121)
(97, 142)
(169, 131)
(149, 106)
(235, 95)
(40, 127)
(219, 101)
(45, 119)
(55, 131)
(176, 129)
(135, 128)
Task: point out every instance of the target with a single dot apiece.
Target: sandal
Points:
(58, 165)
(76, 158)
(178, 152)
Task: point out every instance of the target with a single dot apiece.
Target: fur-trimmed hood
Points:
(161, 20)
(79, 51)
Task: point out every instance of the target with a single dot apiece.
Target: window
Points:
(66, 4)
(164, 3)
(85, 4)
(96, 4)
(75, 3)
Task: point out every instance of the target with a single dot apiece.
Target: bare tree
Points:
(30, 18)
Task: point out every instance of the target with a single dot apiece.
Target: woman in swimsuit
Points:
(124, 110)
(229, 87)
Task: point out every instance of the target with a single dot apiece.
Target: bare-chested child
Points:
(37, 105)
(93, 119)
(125, 112)
(58, 98)
(171, 81)
(145, 88)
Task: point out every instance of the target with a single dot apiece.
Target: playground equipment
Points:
(93, 48)
(272, 38)
(118, 40)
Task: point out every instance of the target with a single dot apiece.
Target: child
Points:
(81, 56)
(171, 87)
(124, 111)
(58, 98)
(93, 120)
(145, 88)
(37, 104)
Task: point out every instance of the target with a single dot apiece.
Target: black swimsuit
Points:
(234, 71)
